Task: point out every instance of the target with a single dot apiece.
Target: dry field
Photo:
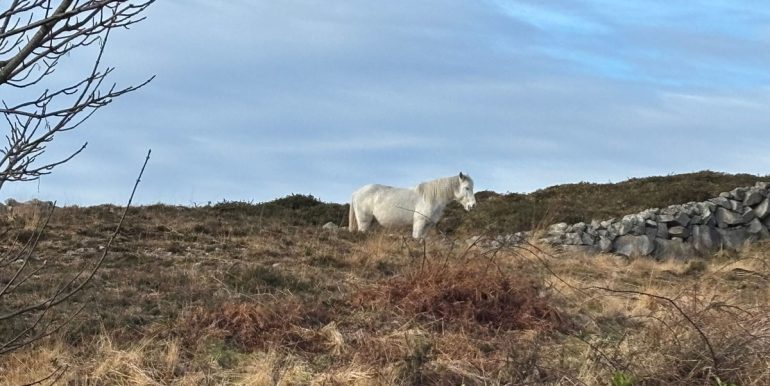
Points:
(190, 296)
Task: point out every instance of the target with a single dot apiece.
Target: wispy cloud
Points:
(255, 100)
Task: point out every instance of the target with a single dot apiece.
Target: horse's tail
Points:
(352, 222)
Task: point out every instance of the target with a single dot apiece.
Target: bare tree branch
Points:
(34, 37)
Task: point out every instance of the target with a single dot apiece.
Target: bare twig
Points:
(704, 338)
(39, 311)
(34, 37)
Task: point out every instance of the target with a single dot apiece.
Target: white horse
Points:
(421, 206)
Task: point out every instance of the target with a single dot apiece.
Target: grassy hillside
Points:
(513, 212)
(586, 201)
(258, 294)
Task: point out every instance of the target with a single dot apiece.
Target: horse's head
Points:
(464, 193)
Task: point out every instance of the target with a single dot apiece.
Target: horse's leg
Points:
(422, 220)
(419, 227)
(364, 219)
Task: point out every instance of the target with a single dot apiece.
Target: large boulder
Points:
(630, 245)
(753, 197)
(737, 206)
(726, 218)
(739, 193)
(705, 239)
(735, 238)
(721, 202)
(763, 209)
(673, 249)
(755, 227)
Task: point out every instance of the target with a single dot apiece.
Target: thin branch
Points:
(676, 306)
(55, 300)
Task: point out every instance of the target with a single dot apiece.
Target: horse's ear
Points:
(463, 176)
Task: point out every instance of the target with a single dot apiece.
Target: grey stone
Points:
(330, 226)
(595, 224)
(755, 227)
(625, 226)
(649, 214)
(662, 231)
(605, 244)
(706, 239)
(696, 220)
(682, 219)
(572, 239)
(763, 209)
(707, 205)
(651, 223)
(753, 197)
(736, 206)
(558, 228)
(651, 232)
(630, 245)
(725, 195)
(673, 249)
(607, 223)
(587, 239)
(721, 202)
(679, 231)
(735, 238)
(706, 215)
(727, 218)
(762, 185)
(666, 218)
(579, 227)
(670, 211)
(738, 194)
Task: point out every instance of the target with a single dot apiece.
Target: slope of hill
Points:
(513, 212)
(258, 294)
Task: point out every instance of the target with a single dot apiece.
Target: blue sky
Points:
(257, 100)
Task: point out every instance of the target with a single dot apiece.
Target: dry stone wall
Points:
(678, 231)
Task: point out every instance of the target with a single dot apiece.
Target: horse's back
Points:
(390, 206)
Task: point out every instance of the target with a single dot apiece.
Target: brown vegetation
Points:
(229, 295)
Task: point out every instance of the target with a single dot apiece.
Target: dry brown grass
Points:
(228, 302)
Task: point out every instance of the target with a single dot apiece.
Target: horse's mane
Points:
(439, 189)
